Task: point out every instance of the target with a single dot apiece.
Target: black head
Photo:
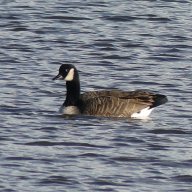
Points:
(67, 72)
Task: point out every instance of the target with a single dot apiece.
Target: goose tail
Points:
(159, 100)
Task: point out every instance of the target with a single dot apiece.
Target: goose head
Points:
(67, 72)
(70, 74)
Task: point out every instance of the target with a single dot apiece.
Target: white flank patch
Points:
(70, 110)
(143, 114)
(70, 75)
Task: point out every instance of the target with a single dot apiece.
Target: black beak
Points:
(57, 77)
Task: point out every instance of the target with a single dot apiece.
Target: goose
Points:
(105, 103)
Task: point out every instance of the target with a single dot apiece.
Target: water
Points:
(115, 44)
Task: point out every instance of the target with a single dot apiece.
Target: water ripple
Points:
(48, 143)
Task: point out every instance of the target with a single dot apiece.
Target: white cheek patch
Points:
(70, 75)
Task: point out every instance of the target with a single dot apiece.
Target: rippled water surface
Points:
(115, 44)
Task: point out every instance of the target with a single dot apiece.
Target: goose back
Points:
(116, 103)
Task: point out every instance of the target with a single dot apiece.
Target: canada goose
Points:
(107, 103)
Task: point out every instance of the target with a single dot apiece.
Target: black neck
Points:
(73, 93)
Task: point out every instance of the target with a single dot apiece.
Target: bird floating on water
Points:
(105, 103)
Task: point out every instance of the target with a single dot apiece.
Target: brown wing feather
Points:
(115, 103)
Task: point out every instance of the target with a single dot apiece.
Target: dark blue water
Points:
(115, 44)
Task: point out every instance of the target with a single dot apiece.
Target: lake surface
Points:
(115, 44)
